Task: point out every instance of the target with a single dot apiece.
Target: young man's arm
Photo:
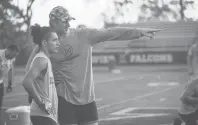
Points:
(117, 33)
(34, 52)
(28, 83)
(187, 96)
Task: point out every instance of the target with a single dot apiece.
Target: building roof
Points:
(173, 34)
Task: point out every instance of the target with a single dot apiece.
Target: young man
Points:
(7, 58)
(72, 65)
(39, 80)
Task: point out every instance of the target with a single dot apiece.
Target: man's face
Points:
(12, 54)
(61, 26)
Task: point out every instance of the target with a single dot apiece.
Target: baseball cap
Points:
(60, 13)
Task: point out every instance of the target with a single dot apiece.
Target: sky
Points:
(86, 12)
(82, 11)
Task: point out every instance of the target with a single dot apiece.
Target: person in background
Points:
(7, 58)
(188, 110)
(39, 80)
(192, 63)
(192, 59)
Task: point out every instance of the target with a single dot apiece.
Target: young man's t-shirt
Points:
(45, 87)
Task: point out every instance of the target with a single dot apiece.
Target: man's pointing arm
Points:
(118, 33)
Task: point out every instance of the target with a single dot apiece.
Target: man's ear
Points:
(53, 23)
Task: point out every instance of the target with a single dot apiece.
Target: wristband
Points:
(47, 105)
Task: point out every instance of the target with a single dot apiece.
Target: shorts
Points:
(189, 119)
(76, 114)
(40, 120)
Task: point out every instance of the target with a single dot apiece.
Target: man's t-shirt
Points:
(72, 65)
(72, 70)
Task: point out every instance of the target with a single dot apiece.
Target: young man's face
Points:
(53, 43)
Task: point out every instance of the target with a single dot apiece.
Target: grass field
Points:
(138, 96)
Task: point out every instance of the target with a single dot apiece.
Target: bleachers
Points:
(173, 35)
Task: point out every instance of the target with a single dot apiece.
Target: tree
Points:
(119, 8)
(12, 12)
(14, 23)
(81, 26)
(13, 20)
(163, 10)
(152, 9)
(184, 4)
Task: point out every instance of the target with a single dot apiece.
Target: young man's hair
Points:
(40, 33)
(13, 47)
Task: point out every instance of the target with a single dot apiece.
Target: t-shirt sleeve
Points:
(110, 34)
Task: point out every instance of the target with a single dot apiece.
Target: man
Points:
(192, 60)
(72, 65)
(7, 58)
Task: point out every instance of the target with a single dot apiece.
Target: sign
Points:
(102, 59)
(151, 58)
(159, 57)
(99, 59)
(144, 57)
